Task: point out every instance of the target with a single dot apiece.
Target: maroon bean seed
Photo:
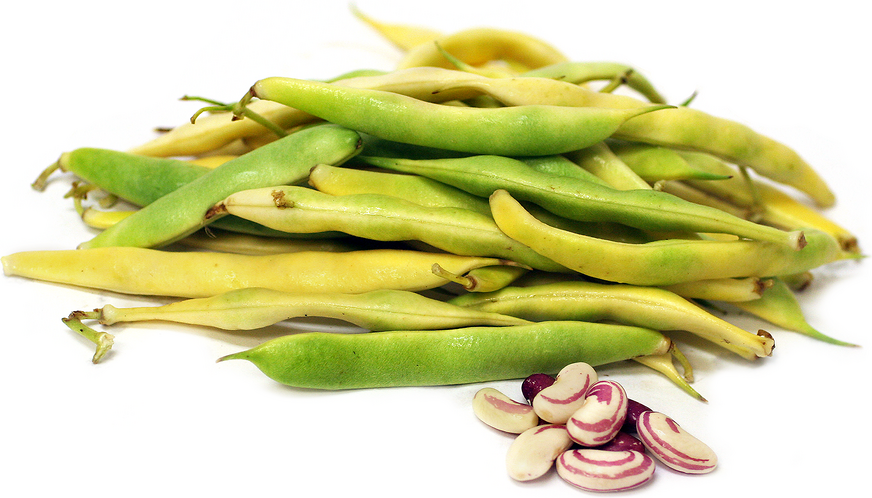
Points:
(535, 383)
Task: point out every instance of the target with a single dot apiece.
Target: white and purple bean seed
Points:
(601, 416)
(503, 413)
(598, 470)
(557, 402)
(674, 446)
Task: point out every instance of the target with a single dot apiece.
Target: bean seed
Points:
(598, 470)
(601, 416)
(533, 452)
(674, 446)
(534, 384)
(557, 402)
(503, 413)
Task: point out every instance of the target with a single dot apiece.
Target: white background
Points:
(160, 418)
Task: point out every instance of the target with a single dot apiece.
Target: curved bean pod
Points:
(181, 212)
(679, 127)
(141, 180)
(632, 305)
(779, 306)
(511, 131)
(252, 308)
(662, 262)
(336, 181)
(216, 131)
(578, 72)
(654, 163)
(445, 357)
(584, 201)
(773, 206)
(405, 37)
(478, 46)
(723, 289)
(380, 217)
(601, 161)
(132, 270)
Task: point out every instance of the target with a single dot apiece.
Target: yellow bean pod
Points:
(631, 305)
(477, 46)
(661, 262)
(131, 270)
(253, 308)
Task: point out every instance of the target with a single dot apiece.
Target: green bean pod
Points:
(602, 162)
(780, 306)
(585, 201)
(425, 191)
(445, 357)
(630, 305)
(133, 270)
(512, 131)
(182, 211)
(380, 217)
(486, 279)
(654, 163)
(773, 206)
(679, 127)
(141, 180)
(661, 262)
(579, 72)
(561, 166)
(722, 289)
(478, 46)
(253, 308)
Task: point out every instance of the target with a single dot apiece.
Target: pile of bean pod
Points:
(586, 426)
(485, 210)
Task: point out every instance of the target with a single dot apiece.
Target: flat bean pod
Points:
(182, 211)
(631, 305)
(585, 201)
(380, 217)
(662, 262)
(132, 270)
(512, 131)
(253, 308)
(445, 357)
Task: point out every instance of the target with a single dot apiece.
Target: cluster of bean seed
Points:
(585, 427)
